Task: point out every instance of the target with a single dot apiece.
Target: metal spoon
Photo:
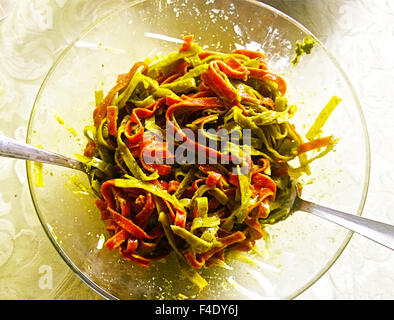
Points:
(379, 232)
(11, 148)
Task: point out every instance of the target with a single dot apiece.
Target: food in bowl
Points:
(192, 154)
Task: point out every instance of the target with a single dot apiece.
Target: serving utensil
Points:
(12, 148)
(379, 232)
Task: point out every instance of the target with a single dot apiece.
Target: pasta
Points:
(153, 199)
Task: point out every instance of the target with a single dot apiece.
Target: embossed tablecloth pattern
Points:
(360, 34)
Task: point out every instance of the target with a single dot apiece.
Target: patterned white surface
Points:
(360, 34)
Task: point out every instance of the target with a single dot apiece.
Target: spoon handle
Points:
(377, 231)
(18, 150)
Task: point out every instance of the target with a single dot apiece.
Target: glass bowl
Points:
(299, 250)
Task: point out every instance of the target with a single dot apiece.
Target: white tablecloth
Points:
(360, 34)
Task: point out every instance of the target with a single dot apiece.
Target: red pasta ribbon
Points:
(100, 111)
(187, 43)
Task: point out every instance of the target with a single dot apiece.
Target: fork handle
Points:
(379, 232)
(18, 150)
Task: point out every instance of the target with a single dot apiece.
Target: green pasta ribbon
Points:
(322, 118)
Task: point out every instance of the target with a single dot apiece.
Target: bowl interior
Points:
(301, 248)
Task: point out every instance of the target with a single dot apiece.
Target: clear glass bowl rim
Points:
(47, 230)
